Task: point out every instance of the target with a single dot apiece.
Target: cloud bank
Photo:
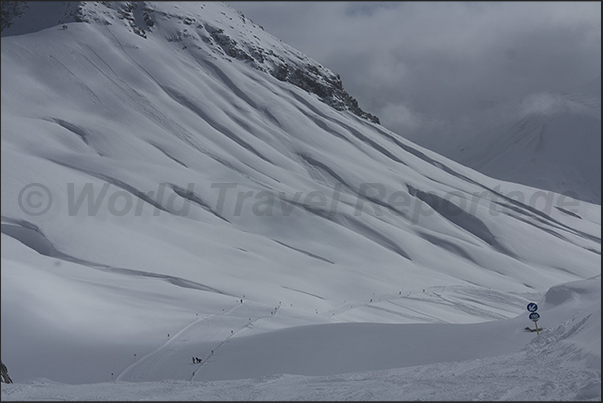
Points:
(430, 69)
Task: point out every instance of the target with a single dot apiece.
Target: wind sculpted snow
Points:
(164, 199)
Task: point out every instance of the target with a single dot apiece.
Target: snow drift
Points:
(178, 183)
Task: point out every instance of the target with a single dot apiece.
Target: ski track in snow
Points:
(198, 327)
(459, 296)
(242, 322)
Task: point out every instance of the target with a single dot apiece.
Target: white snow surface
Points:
(414, 290)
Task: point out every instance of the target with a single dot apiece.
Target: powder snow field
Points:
(163, 199)
(488, 361)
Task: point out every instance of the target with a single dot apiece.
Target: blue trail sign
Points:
(534, 316)
(532, 307)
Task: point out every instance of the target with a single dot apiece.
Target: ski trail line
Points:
(247, 325)
(168, 342)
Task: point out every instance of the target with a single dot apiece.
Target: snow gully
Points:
(374, 199)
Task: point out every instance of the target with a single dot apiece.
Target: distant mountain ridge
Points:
(555, 146)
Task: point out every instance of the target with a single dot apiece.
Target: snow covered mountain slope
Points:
(174, 179)
(555, 144)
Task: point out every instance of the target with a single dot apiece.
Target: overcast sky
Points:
(427, 68)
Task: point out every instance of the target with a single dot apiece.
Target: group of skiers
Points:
(196, 360)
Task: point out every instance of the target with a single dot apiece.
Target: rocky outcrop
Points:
(213, 27)
(5, 377)
(11, 10)
(285, 64)
(310, 77)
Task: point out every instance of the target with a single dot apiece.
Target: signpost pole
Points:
(534, 316)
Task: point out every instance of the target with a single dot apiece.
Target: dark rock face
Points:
(10, 11)
(4, 373)
(329, 88)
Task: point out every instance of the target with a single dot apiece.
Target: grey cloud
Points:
(362, 8)
(440, 63)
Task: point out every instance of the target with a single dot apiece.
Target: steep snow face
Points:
(555, 145)
(163, 193)
(221, 29)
